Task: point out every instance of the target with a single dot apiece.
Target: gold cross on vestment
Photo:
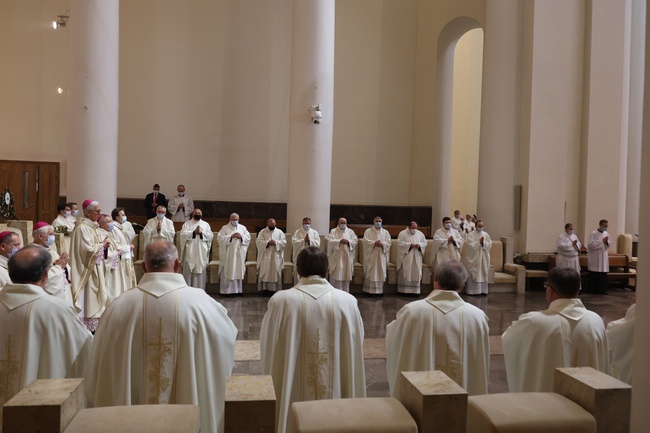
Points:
(314, 375)
(157, 374)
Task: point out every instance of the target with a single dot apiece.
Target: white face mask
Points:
(67, 213)
(123, 219)
(234, 223)
(181, 194)
(306, 227)
(479, 229)
(155, 192)
(160, 215)
(76, 212)
(49, 241)
(343, 227)
(447, 226)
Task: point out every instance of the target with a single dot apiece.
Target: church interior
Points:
(529, 114)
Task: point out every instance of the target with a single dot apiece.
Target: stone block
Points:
(530, 412)
(26, 228)
(437, 403)
(607, 399)
(44, 406)
(158, 418)
(350, 415)
(246, 395)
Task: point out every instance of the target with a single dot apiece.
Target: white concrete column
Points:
(93, 101)
(640, 371)
(498, 155)
(637, 58)
(310, 145)
(606, 116)
(552, 98)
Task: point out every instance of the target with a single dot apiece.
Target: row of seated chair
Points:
(504, 276)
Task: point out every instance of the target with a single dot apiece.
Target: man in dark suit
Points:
(153, 200)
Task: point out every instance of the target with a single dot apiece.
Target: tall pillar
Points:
(637, 58)
(310, 145)
(498, 156)
(607, 83)
(93, 101)
(640, 372)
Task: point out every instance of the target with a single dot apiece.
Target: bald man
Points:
(233, 239)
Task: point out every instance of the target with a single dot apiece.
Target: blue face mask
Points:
(378, 225)
(447, 226)
(13, 251)
(343, 226)
(160, 215)
(234, 223)
(111, 226)
(124, 219)
(570, 232)
(49, 241)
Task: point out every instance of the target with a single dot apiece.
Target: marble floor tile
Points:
(248, 311)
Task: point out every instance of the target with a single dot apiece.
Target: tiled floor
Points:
(247, 312)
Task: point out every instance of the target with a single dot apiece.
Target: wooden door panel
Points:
(22, 178)
(48, 191)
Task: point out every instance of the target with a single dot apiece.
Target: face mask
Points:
(124, 219)
(271, 228)
(343, 226)
(13, 251)
(234, 223)
(570, 232)
(49, 241)
(76, 212)
(197, 217)
(412, 231)
(604, 228)
(160, 215)
(456, 216)
(378, 225)
(155, 192)
(447, 226)
(111, 226)
(479, 229)
(181, 194)
(67, 213)
(306, 227)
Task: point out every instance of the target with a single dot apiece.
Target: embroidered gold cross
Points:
(453, 371)
(157, 373)
(8, 373)
(314, 376)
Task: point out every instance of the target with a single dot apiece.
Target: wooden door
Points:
(35, 187)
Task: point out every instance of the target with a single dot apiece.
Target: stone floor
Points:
(247, 312)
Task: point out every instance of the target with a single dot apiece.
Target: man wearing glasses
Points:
(564, 335)
(87, 253)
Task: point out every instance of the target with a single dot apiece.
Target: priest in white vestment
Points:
(116, 276)
(447, 244)
(456, 221)
(441, 332)
(311, 340)
(598, 259)
(477, 260)
(181, 206)
(376, 254)
(87, 255)
(195, 243)
(40, 335)
(158, 228)
(467, 225)
(163, 342)
(302, 238)
(233, 241)
(270, 243)
(58, 283)
(568, 249)
(565, 335)
(9, 245)
(411, 244)
(124, 234)
(63, 218)
(620, 337)
(341, 243)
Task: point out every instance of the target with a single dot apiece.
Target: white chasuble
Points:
(620, 335)
(270, 258)
(299, 243)
(312, 345)
(341, 256)
(441, 332)
(409, 260)
(163, 342)
(375, 258)
(232, 251)
(445, 250)
(150, 232)
(195, 248)
(40, 338)
(477, 259)
(597, 249)
(567, 252)
(87, 266)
